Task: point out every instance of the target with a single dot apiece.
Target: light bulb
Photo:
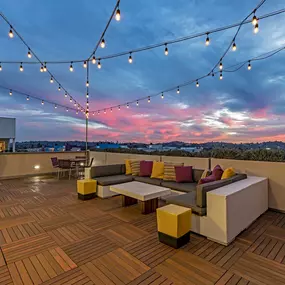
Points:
(104, 111)
(130, 58)
(234, 47)
(11, 34)
(102, 44)
(162, 96)
(55, 106)
(119, 108)
(29, 54)
(221, 65)
(137, 103)
(213, 74)
(118, 15)
(70, 99)
(207, 40)
(51, 80)
(87, 83)
(128, 106)
(197, 83)
(111, 110)
(99, 64)
(66, 109)
(87, 95)
(87, 103)
(10, 93)
(98, 112)
(21, 67)
(74, 104)
(93, 59)
(166, 50)
(42, 69)
(59, 88)
(256, 29)
(249, 66)
(76, 112)
(254, 20)
(221, 75)
(85, 64)
(43, 102)
(148, 100)
(45, 67)
(178, 90)
(0, 67)
(28, 98)
(65, 95)
(71, 67)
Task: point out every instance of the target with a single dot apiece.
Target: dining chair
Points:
(55, 165)
(66, 165)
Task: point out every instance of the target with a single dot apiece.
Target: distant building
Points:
(108, 146)
(7, 133)
(192, 149)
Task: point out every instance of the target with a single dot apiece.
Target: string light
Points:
(28, 98)
(51, 80)
(213, 74)
(197, 83)
(178, 90)
(207, 40)
(254, 20)
(249, 65)
(102, 44)
(85, 64)
(55, 106)
(87, 83)
(105, 111)
(11, 34)
(0, 67)
(166, 50)
(99, 64)
(66, 109)
(70, 99)
(29, 54)
(21, 67)
(128, 106)
(148, 100)
(45, 67)
(162, 96)
(137, 102)
(256, 29)
(119, 107)
(234, 47)
(221, 75)
(221, 65)
(98, 112)
(65, 95)
(71, 67)
(77, 113)
(118, 14)
(87, 95)
(93, 114)
(59, 88)
(42, 69)
(93, 59)
(130, 58)
(74, 104)
(43, 102)
(10, 93)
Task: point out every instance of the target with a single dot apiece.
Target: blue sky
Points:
(244, 106)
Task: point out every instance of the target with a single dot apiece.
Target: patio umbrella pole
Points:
(86, 133)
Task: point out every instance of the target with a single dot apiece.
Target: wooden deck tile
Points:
(27, 247)
(47, 213)
(57, 222)
(102, 222)
(5, 277)
(147, 223)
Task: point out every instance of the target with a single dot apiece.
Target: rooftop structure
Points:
(7, 133)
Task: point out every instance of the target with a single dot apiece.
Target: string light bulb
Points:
(207, 40)
(178, 90)
(87, 83)
(76, 112)
(221, 65)
(45, 67)
(98, 112)
(59, 88)
(65, 94)
(21, 67)
(162, 96)
(29, 54)
(221, 75)
(71, 67)
(99, 64)
(103, 44)
(43, 102)
(70, 99)
(166, 50)
(254, 20)
(55, 106)
(85, 64)
(11, 34)
(87, 95)
(119, 107)
(51, 80)
(105, 111)
(10, 93)
(148, 100)
(74, 104)
(197, 83)
(93, 59)
(66, 109)
(234, 47)
(130, 58)
(0, 67)
(118, 14)
(128, 106)
(249, 66)
(213, 74)
(28, 98)
(137, 102)
(256, 29)
(42, 69)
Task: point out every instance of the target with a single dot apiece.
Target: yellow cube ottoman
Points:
(174, 225)
(86, 189)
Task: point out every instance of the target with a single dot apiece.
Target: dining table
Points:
(77, 162)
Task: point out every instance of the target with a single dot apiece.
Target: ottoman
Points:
(174, 224)
(86, 189)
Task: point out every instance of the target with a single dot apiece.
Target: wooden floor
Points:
(48, 236)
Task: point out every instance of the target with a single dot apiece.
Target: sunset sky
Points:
(245, 106)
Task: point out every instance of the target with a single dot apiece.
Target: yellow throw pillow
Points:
(169, 171)
(228, 173)
(135, 166)
(128, 167)
(157, 170)
(205, 174)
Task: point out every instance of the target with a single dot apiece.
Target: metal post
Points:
(14, 145)
(86, 138)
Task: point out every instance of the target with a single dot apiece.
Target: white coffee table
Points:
(148, 194)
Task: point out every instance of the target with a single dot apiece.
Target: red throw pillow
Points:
(146, 168)
(218, 172)
(183, 174)
(210, 178)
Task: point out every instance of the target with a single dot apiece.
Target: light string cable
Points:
(190, 37)
(42, 63)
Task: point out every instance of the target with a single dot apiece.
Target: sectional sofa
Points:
(221, 209)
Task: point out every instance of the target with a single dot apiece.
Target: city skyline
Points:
(245, 106)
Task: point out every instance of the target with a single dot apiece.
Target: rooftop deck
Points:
(48, 236)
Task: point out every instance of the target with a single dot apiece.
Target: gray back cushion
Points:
(107, 170)
(202, 189)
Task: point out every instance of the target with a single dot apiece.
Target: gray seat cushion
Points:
(187, 200)
(148, 180)
(183, 187)
(114, 179)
